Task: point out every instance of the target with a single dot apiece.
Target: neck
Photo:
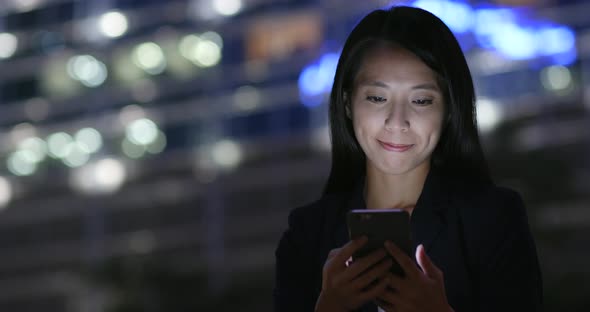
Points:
(401, 191)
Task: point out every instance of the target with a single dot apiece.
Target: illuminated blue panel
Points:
(309, 81)
(558, 43)
(457, 15)
(316, 79)
(564, 59)
(507, 31)
(556, 40)
(487, 22)
(515, 42)
(327, 70)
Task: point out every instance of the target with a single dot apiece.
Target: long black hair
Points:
(459, 151)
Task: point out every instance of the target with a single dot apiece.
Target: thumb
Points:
(427, 266)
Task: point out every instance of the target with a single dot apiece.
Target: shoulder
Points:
(306, 224)
(487, 210)
(501, 248)
(491, 201)
(311, 214)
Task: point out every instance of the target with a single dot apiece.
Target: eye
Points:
(376, 99)
(422, 102)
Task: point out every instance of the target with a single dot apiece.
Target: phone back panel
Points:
(380, 225)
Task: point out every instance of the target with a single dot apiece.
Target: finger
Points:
(395, 300)
(385, 306)
(333, 253)
(337, 257)
(427, 266)
(377, 271)
(404, 261)
(349, 249)
(396, 282)
(389, 298)
(361, 264)
(374, 291)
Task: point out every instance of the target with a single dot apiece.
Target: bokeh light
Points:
(36, 147)
(132, 150)
(8, 45)
(142, 131)
(113, 24)
(75, 155)
(87, 69)
(315, 81)
(556, 40)
(25, 5)
(104, 176)
(488, 114)
(22, 163)
(6, 192)
(149, 57)
(57, 144)
(458, 16)
(207, 53)
(320, 139)
(227, 7)
(247, 98)
(226, 154)
(556, 78)
(203, 50)
(21, 132)
(213, 37)
(130, 113)
(90, 139)
(158, 145)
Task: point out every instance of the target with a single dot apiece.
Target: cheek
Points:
(366, 122)
(365, 113)
(431, 130)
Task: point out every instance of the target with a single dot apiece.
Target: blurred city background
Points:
(151, 150)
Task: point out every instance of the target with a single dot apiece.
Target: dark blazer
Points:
(477, 234)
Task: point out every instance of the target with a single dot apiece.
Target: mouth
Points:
(393, 147)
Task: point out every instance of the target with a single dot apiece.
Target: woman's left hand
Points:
(419, 290)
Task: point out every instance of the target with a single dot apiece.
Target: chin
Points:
(395, 170)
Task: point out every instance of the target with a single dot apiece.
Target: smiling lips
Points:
(395, 147)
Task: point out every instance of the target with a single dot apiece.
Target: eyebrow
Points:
(424, 86)
(374, 83)
(427, 86)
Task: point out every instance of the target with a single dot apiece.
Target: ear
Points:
(347, 105)
(348, 113)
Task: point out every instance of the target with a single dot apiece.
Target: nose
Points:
(397, 119)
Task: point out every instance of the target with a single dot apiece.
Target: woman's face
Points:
(397, 110)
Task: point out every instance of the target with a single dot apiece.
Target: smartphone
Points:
(380, 225)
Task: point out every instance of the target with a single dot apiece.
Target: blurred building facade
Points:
(152, 149)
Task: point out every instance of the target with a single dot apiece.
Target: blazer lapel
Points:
(429, 216)
(355, 201)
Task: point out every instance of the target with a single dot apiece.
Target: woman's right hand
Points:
(345, 288)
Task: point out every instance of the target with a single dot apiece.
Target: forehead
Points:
(390, 63)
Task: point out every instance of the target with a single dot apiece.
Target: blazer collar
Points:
(428, 217)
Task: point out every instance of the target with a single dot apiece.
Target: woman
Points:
(404, 136)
